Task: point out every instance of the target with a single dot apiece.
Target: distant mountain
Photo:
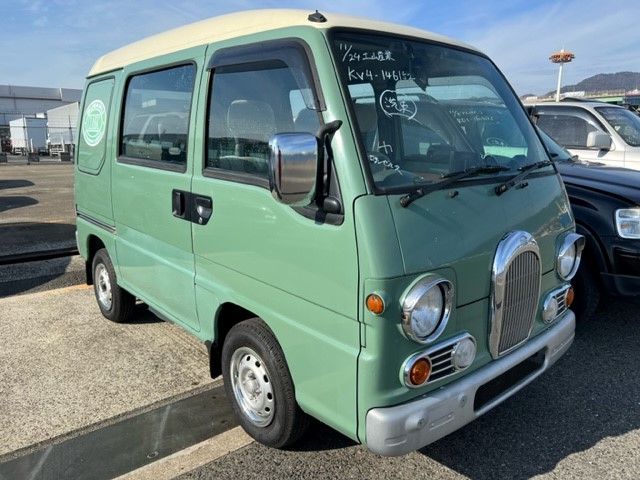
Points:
(604, 82)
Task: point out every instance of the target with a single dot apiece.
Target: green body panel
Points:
(256, 253)
(153, 247)
(85, 231)
(93, 166)
(464, 231)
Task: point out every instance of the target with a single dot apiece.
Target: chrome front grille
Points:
(555, 304)
(561, 299)
(516, 280)
(441, 364)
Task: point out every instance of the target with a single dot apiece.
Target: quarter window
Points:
(156, 116)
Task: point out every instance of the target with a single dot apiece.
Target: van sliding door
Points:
(154, 244)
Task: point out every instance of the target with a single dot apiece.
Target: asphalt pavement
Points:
(69, 376)
(65, 369)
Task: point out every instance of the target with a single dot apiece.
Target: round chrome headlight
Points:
(426, 308)
(569, 256)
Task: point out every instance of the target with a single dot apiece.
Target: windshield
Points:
(623, 121)
(405, 96)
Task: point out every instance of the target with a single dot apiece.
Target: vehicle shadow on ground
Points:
(6, 184)
(9, 202)
(143, 316)
(12, 202)
(589, 395)
(34, 255)
(21, 238)
(31, 277)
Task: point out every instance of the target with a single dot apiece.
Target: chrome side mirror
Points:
(293, 167)
(599, 141)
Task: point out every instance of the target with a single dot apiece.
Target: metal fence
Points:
(38, 134)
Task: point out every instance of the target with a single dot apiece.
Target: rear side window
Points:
(155, 122)
(567, 130)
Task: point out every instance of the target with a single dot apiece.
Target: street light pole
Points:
(561, 58)
(559, 82)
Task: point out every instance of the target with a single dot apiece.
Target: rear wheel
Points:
(116, 304)
(259, 386)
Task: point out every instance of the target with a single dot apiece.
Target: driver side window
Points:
(242, 117)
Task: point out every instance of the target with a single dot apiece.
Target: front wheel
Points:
(116, 304)
(587, 292)
(259, 386)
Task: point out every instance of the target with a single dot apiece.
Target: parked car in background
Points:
(605, 202)
(593, 130)
(606, 205)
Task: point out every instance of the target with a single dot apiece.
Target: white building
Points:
(62, 123)
(28, 134)
(23, 102)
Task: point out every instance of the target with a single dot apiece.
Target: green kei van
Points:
(289, 188)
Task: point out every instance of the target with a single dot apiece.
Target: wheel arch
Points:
(94, 243)
(228, 315)
(593, 254)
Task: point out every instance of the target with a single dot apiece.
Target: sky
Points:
(54, 43)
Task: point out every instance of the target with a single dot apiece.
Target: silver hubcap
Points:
(103, 286)
(252, 387)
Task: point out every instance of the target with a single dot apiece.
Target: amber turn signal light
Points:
(569, 297)
(420, 371)
(375, 304)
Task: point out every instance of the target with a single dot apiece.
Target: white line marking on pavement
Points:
(57, 291)
(193, 457)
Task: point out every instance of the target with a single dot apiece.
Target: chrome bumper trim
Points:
(401, 429)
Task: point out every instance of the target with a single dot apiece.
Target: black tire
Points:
(259, 386)
(116, 304)
(587, 292)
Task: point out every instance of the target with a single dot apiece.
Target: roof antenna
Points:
(317, 17)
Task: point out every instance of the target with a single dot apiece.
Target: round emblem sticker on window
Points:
(94, 123)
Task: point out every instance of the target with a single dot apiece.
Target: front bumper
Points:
(623, 279)
(404, 428)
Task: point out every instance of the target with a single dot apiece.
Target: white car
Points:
(592, 130)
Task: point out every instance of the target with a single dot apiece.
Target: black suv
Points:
(605, 203)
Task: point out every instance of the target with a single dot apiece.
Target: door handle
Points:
(179, 203)
(203, 209)
(192, 207)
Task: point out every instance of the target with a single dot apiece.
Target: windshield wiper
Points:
(524, 172)
(448, 179)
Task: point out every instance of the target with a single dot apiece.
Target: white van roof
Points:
(244, 23)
